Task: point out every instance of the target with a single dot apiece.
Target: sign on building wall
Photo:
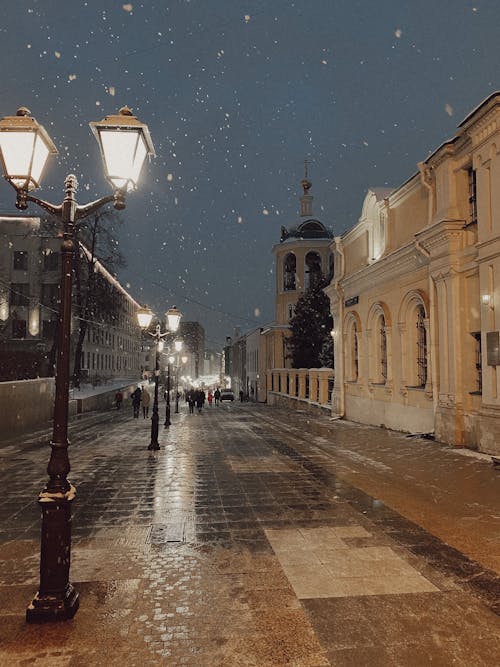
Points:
(351, 302)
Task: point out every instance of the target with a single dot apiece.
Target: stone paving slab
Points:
(241, 542)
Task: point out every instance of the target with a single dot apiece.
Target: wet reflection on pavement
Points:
(256, 538)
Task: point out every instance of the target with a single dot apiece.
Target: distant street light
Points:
(144, 317)
(25, 146)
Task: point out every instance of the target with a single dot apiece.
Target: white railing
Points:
(311, 385)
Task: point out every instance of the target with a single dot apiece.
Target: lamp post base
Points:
(154, 444)
(48, 608)
(57, 599)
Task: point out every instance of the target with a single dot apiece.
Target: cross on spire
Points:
(306, 170)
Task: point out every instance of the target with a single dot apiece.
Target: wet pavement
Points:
(258, 537)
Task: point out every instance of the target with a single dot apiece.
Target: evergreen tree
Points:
(310, 343)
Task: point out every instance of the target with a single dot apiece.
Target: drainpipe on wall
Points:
(340, 328)
(427, 180)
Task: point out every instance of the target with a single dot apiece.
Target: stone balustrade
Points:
(300, 386)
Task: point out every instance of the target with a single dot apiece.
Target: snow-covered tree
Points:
(310, 344)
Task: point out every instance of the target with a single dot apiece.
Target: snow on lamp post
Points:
(24, 149)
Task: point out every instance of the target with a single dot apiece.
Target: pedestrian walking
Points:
(242, 395)
(118, 399)
(136, 402)
(210, 398)
(191, 401)
(217, 396)
(145, 401)
(200, 400)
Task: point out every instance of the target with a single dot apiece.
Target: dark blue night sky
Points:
(237, 95)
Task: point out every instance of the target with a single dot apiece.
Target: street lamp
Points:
(170, 361)
(144, 317)
(178, 348)
(24, 148)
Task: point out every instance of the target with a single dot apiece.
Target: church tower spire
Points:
(306, 200)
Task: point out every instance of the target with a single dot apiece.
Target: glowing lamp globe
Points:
(124, 143)
(173, 318)
(144, 317)
(25, 147)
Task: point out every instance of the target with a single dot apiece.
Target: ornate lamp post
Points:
(25, 146)
(167, 397)
(178, 348)
(144, 317)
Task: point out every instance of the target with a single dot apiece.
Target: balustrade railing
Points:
(312, 385)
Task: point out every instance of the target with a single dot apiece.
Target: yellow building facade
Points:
(415, 296)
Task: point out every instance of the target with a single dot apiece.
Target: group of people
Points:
(140, 398)
(195, 397)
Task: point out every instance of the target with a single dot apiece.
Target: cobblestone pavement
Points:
(256, 537)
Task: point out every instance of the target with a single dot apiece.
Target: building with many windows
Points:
(29, 307)
(415, 296)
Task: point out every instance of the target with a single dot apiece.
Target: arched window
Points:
(352, 351)
(421, 340)
(289, 272)
(382, 348)
(312, 274)
(414, 340)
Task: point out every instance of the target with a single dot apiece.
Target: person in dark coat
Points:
(136, 402)
(190, 397)
(200, 400)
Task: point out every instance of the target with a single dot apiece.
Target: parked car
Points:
(227, 395)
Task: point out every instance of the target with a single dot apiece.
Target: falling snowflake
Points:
(398, 32)
(256, 312)
(57, 54)
(265, 211)
(449, 109)
(112, 91)
(170, 177)
(128, 7)
(247, 18)
(240, 219)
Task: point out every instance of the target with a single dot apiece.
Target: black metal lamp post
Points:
(25, 147)
(167, 398)
(144, 317)
(178, 348)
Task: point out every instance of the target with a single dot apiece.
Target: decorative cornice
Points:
(397, 264)
(441, 235)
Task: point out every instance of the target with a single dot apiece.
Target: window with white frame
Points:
(352, 352)
(382, 349)
(421, 345)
